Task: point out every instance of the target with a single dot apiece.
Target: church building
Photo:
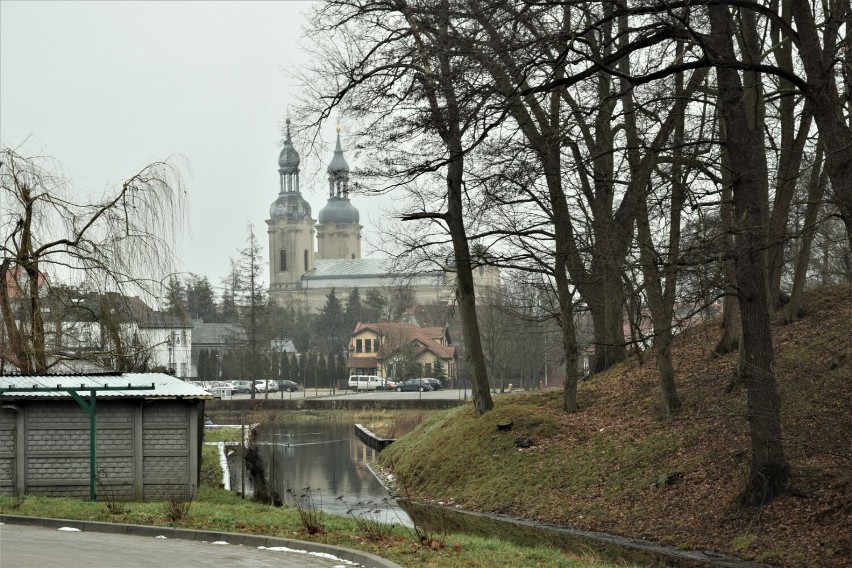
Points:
(303, 275)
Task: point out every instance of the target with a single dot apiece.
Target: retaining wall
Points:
(299, 403)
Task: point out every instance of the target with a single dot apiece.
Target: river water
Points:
(328, 458)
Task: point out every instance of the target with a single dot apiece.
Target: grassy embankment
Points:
(218, 510)
(620, 466)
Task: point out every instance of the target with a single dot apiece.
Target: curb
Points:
(364, 559)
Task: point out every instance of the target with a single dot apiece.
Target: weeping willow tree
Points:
(119, 242)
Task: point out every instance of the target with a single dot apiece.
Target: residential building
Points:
(397, 350)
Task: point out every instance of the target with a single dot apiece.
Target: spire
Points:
(338, 172)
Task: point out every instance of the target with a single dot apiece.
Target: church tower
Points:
(338, 231)
(290, 226)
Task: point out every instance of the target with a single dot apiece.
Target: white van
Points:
(366, 382)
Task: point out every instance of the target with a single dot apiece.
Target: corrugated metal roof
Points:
(165, 386)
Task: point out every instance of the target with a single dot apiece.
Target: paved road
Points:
(37, 547)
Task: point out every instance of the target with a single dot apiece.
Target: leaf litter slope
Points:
(619, 466)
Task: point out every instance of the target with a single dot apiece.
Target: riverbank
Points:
(619, 466)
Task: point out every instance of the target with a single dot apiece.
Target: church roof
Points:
(349, 267)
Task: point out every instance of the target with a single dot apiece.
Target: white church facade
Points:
(302, 274)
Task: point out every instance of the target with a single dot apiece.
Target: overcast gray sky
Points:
(107, 87)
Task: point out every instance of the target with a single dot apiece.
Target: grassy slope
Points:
(605, 468)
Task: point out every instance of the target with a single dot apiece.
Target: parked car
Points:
(390, 385)
(413, 385)
(242, 387)
(436, 384)
(265, 386)
(288, 386)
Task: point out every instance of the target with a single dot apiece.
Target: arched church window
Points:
(306, 260)
(282, 260)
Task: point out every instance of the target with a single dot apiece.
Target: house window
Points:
(368, 346)
(282, 260)
(359, 346)
(427, 370)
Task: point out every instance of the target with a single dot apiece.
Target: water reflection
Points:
(328, 458)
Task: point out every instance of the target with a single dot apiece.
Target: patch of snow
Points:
(220, 542)
(69, 529)
(223, 461)
(161, 536)
(317, 554)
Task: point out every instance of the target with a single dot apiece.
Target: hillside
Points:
(618, 466)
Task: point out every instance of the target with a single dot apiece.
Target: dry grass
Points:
(621, 466)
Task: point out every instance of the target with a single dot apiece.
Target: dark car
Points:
(435, 383)
(288, 386)
(413, 385)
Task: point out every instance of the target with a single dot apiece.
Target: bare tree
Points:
(120, 242)
(402, 62)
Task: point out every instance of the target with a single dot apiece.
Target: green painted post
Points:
(93, 447)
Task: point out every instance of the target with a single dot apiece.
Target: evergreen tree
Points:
(341, 374)
(200, 298)
(176, 297)
(284, 368)
(301, 364)
(308, 365)
(332, 327)
(230, 285)
(202, 366)
(438, 369)
(374, 306)
(354, 309)
(322, 372)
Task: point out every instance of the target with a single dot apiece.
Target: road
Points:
(36, 547)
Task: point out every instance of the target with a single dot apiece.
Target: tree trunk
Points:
(818, 59)
(744, 123)
(790, 156)
(816, 188)
(465, 295)
(730, 338)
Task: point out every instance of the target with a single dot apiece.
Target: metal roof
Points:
(360, 267)
(165, 386)
(217, 334)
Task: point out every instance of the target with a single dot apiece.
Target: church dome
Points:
(288, 159)
(340, 211)
(291, 205)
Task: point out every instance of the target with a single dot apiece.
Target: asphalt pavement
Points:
(27, 542)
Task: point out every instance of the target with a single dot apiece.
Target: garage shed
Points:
(147, 443)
